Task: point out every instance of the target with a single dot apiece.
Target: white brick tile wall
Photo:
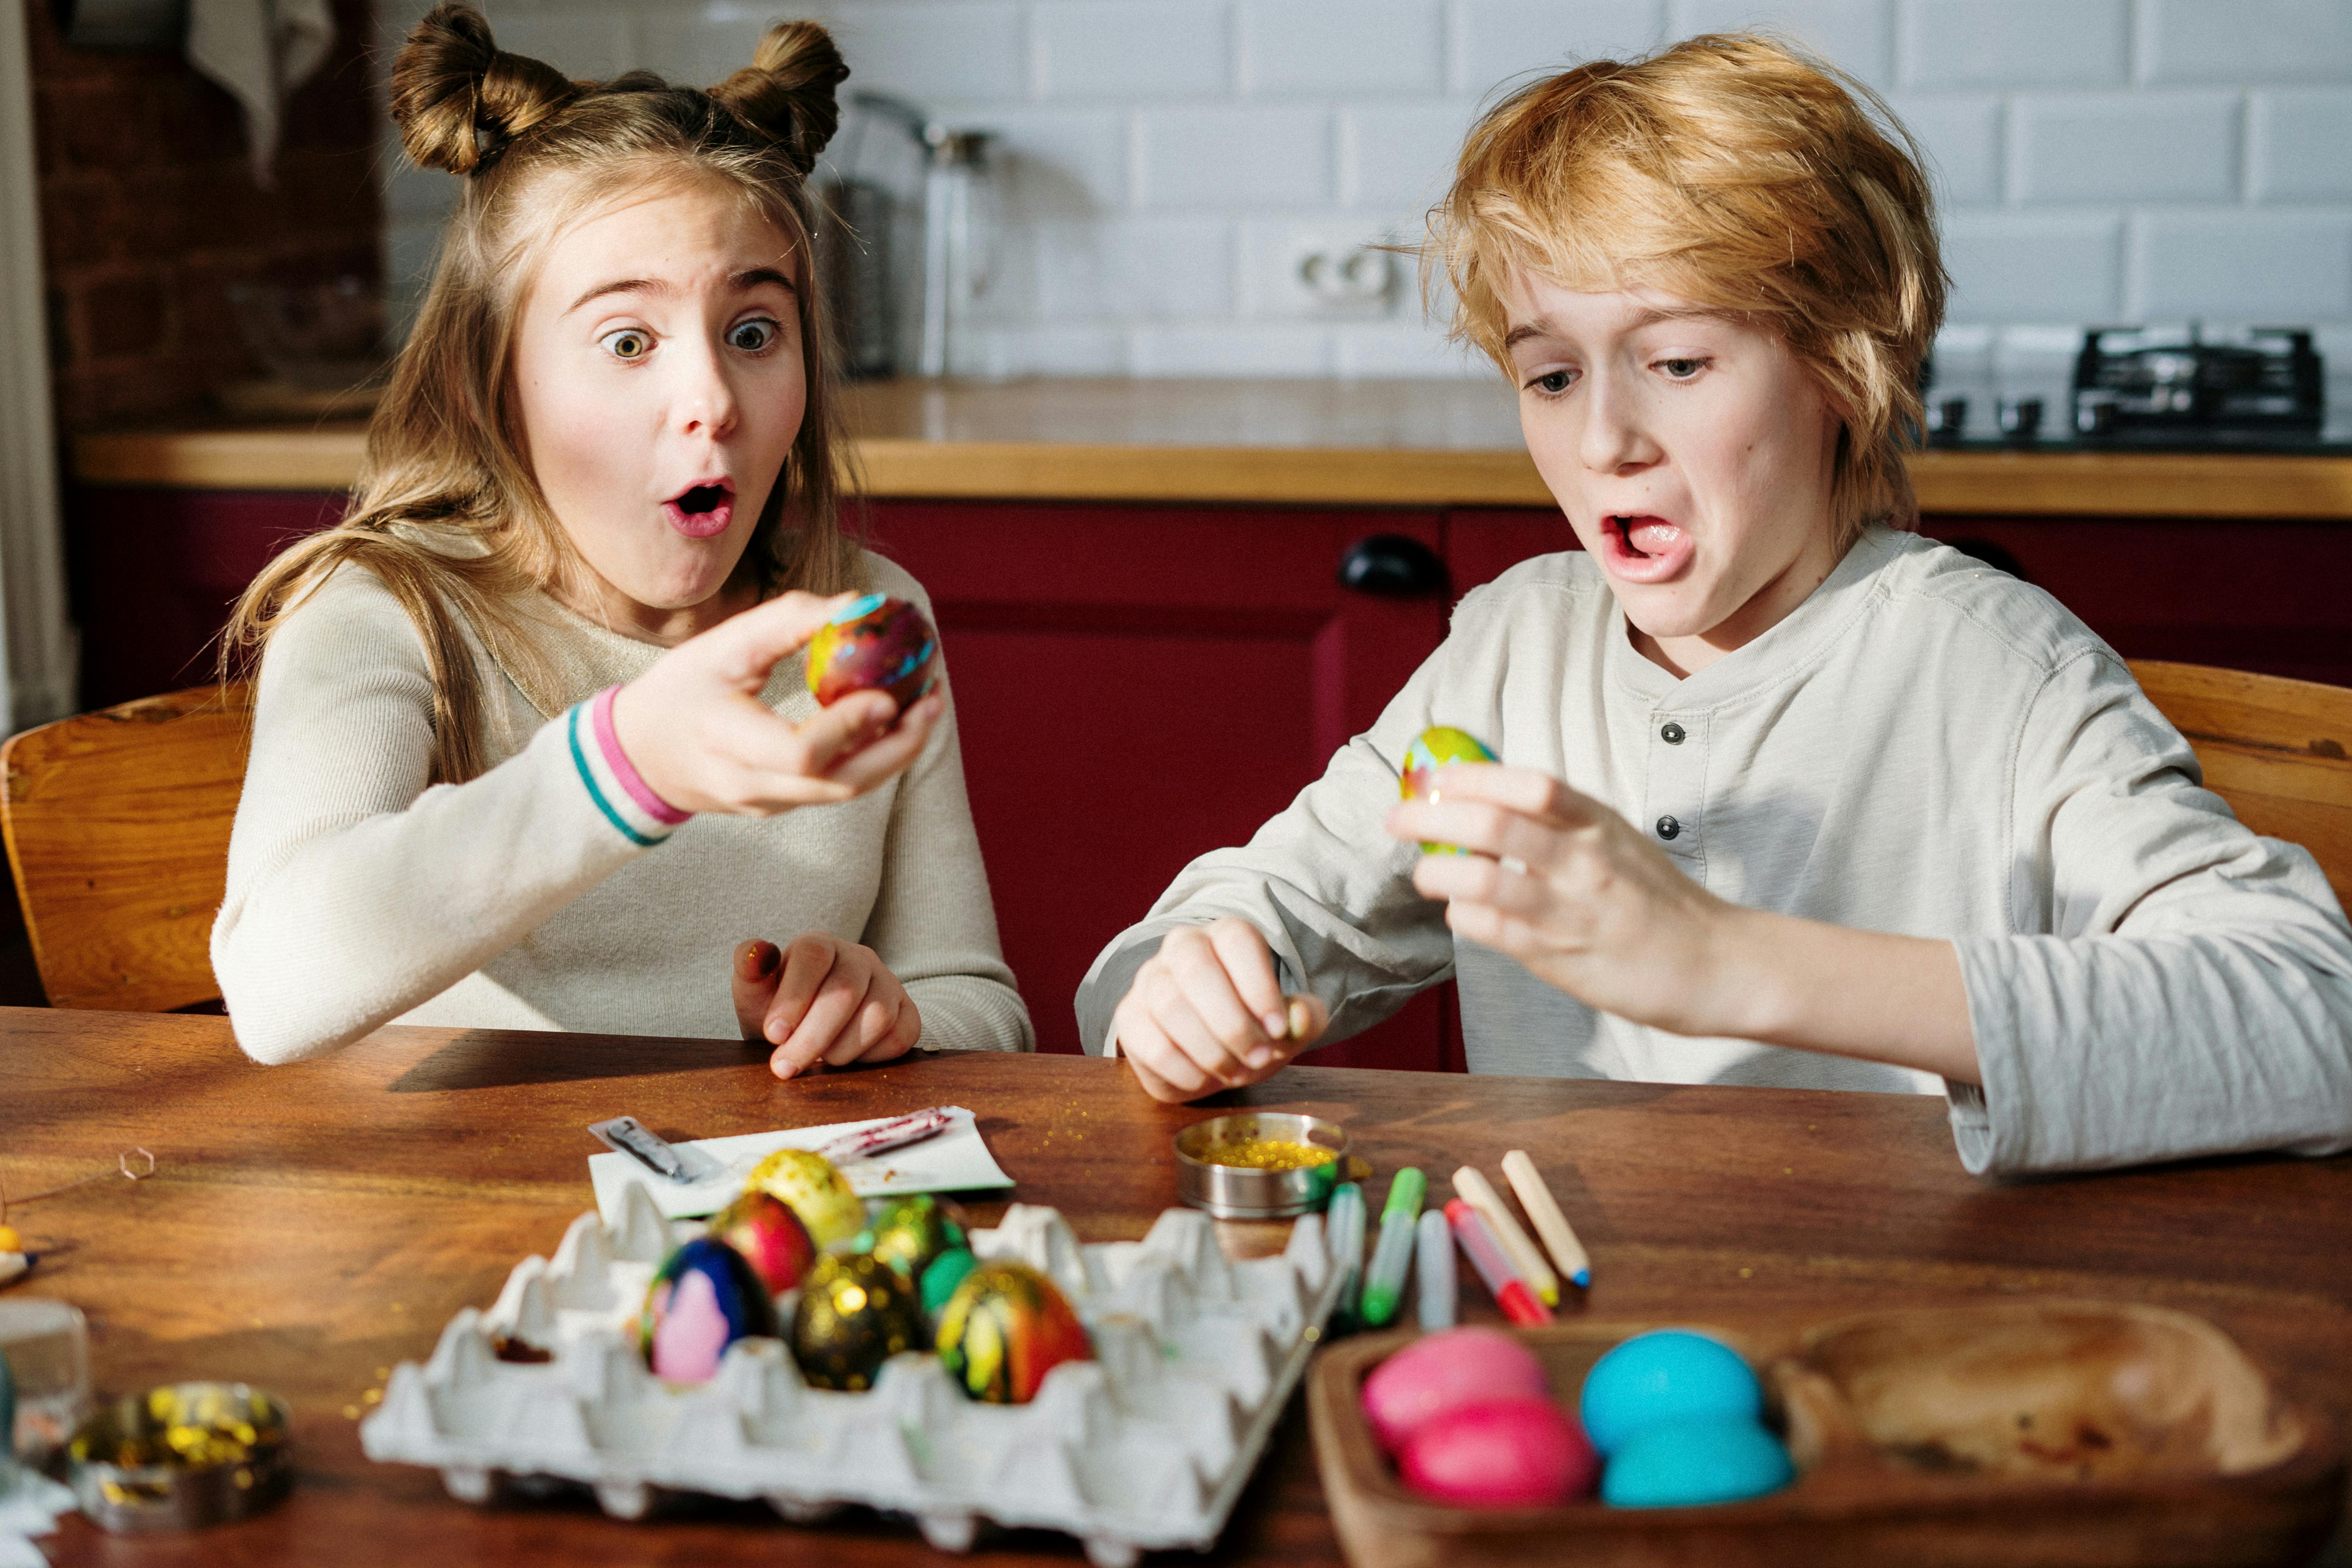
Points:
(2123, 146)
(2300, 145)
(2281, 268)
(1126, 49)
(1161, 161)
(2013, 44)
(1341, 45)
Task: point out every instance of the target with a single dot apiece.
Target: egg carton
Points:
(1145, 1448)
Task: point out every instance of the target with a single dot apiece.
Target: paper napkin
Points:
(956, 1160)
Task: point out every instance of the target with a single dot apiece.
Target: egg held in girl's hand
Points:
(1516, 1452)
(1436, 747)
(703, 1299)
(874, 644)
(1441, 1372)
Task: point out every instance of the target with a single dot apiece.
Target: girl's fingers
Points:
(864, 1034)
(1243, 953)
(742, 649)
(832, 1015)
(763, 743)
(893, 750)
(807, 961)
(752, 975)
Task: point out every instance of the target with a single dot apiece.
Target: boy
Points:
(1785, 796)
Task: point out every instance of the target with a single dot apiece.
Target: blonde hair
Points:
(446, 456)
(1738, 173)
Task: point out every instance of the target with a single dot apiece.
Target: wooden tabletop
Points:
(1308, 442)
(310, 1225)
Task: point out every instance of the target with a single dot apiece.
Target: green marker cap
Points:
(1405, 1194)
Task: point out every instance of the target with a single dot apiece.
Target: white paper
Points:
(956, 1160)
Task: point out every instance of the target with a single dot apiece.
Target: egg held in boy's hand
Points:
(1436, 747)
(874, 644)
(1441, 1372)
(703, 1299)
(1682, 1464)
(1500, 1453)
(1671, 1374)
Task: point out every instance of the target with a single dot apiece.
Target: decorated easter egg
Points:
(1671, 1374)
(1433, 749)
(945, 1273)
(1442, 1372)
(874, 644)
(771, 1236)
(910, 1232)
(703, 1299)
(1679, 1464)
(1006, 1327)
(1513, 1452)
(854, 1313)
(816, 1192)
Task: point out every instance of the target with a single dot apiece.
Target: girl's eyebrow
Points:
(749, 278)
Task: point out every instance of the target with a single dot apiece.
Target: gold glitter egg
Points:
(815, 1192)
(856, 1313)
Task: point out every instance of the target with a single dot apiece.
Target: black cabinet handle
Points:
(1392, 566)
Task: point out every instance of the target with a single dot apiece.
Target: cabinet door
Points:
(1137, 686)
(1484, 543)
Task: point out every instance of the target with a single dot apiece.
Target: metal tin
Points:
(172, 1492)
(1246, 1192)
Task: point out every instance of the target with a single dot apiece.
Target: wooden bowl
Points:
(2051, 1432)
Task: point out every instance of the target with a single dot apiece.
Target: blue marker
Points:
(1435, 1244)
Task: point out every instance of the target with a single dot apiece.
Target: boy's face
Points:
(657, 362)
(1691, 453)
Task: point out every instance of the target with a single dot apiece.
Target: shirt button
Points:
(1673, 736)
(1668, 827)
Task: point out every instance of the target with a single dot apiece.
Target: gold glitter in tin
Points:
(1266, 1154)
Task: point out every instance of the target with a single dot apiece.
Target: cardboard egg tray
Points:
(1145, 1448)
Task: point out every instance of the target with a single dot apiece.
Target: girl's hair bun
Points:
(458, 98)
(787, 92)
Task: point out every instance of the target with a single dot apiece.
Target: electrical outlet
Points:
(1326, 273)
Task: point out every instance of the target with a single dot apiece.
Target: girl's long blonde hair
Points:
(446, 455)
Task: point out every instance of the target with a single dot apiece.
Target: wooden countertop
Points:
(1327, 443)
(309, 1226)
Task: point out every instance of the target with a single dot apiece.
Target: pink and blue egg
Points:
(703, 1299)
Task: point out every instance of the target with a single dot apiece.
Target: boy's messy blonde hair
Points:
(1735, 173)
(447, 512)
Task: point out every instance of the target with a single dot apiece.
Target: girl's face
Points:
(658, 367)
(1691, 453)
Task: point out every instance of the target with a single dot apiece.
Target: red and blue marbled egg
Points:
(874, 644)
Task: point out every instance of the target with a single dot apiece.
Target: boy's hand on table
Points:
(694, 728)
(1588, 903)
(1205, 1012)
(821, 999)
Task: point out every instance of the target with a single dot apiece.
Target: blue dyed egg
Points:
(1680, 1464)
(703, 1299)
(1671, 1374)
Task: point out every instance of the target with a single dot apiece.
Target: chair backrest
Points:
(2279, 751)
(117, 826)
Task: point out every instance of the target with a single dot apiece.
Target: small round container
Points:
(182, 1456)
(1257, 1192)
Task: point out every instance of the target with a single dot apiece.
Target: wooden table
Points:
(310, 1225)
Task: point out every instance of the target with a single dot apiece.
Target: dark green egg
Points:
(910, 1232)
(945, 1273)
(856, 1313)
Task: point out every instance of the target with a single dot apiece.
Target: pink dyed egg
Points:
(1505, 1453)
(1442, 1372)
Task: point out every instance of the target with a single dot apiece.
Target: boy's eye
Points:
(1554, 381)
(629, 342)
(750, 337)
(1682, 369)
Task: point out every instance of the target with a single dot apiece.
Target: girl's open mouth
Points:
(1644, 548)
(703, 510)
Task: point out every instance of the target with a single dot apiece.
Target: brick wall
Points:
(149, 214)
(2100, 161)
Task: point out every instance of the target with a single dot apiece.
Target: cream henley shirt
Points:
(1925, 747)
(538, 895)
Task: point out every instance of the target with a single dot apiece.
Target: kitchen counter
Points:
(1327, 443)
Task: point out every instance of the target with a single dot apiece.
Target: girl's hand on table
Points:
(821, 999)
(695, 729)
(1205, 1012)
(1587, 902)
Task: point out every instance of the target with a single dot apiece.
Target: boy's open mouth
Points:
(1643, 549)
(702, 511)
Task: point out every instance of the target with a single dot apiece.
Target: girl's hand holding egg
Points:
(1205, 1012)
(821, 999)
(694, 727)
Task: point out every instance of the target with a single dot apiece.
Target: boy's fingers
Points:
(1241, 951)
(1165, 1071)
(1199, 972)
(1526, 790)
(752, 978)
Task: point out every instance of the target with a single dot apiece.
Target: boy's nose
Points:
(1613, 438)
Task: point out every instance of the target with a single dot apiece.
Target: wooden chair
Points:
(2279, 751)
(117, 825)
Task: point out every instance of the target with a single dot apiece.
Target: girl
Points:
(532, 742)
(1786, 797)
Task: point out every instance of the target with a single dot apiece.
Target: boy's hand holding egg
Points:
(694, 727)
(1205, 1012)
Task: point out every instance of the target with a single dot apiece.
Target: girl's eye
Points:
(752, 336)
(1682, 369)
(1553, 382)
(629, 342)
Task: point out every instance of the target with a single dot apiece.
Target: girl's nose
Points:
(706, 403)
(1614, 437)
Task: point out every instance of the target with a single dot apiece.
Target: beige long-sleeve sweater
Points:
(539, 896)
(1925, 747)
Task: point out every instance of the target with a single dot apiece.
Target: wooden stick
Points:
(1471, 1184)
(1549, 1223)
